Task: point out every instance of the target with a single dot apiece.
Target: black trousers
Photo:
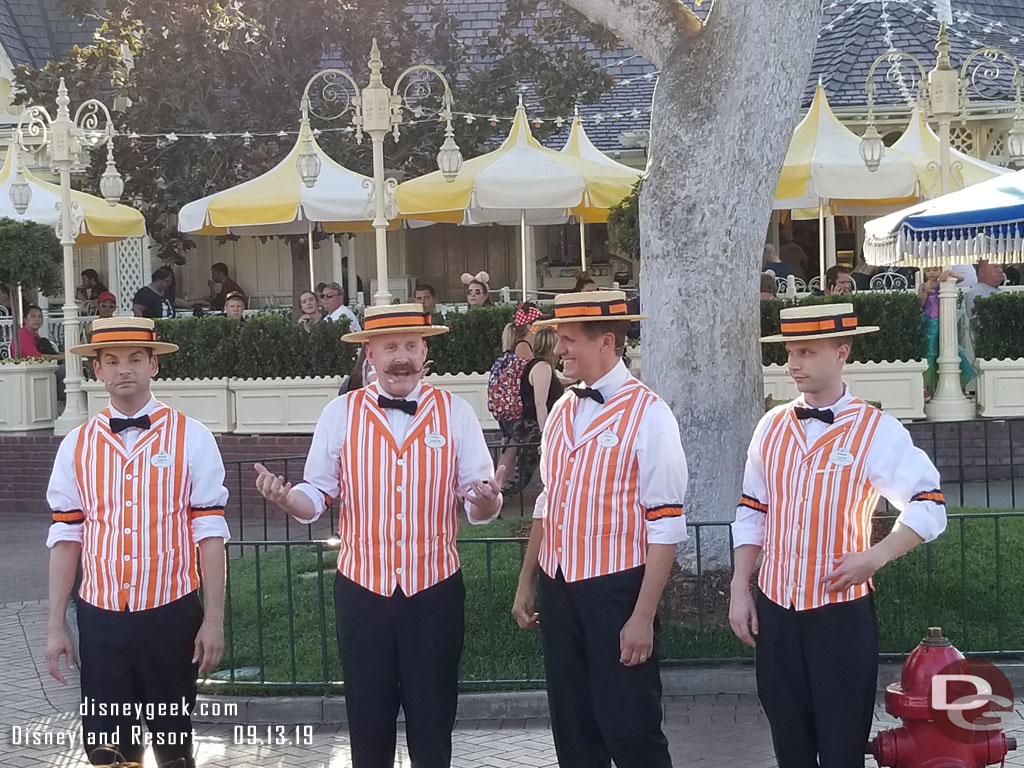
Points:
(601, 710)
(816, 677)
(139, 658)
(404, 651)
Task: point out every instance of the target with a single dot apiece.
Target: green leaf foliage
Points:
(241, 66)
(998, 327)
(265, 346)
(473, 342)
(624, 225)
(30, 256)
(901, 338)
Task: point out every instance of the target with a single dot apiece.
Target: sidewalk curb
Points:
(677, 684)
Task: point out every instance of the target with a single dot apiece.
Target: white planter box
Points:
(899, 387)
(471, 387)
(274, 406)
(28, 396)
(1000, 387)
(206, 400)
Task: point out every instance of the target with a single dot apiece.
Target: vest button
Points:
(127, 558)
(127, 531)
(400, 543)
(128, 476)
(400, 516)
(127, 503)
(401, 462)
(559, 549)
(126, 585)
(561, 527)
(400, 489)
(398, 570)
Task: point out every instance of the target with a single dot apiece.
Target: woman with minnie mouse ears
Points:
(478, 291)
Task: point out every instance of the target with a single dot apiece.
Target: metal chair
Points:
(888, 281)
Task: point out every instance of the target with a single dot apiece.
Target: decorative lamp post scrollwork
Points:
(377, 110)
(63, 142)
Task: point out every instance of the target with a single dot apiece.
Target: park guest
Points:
(478, 291)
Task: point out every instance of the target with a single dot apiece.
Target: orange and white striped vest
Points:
(819, 507)
(397, 504)
(137, 546)
(594, 524)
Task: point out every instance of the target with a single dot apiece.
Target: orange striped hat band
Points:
(396, 320)
(108, 335)
(591, 309)
(815, 325)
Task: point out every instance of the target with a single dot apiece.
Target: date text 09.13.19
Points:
(273, 735)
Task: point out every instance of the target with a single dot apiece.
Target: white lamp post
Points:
(378, 110)
(66, 142)
(945, 94)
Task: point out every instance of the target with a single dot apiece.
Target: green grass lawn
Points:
(976, 603)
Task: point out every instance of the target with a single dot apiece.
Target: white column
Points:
(337, 264)
(113, 278)
(353, 281)
(830, 241)
(75, 411)
(948, 403)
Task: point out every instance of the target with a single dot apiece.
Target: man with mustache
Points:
(398, 455)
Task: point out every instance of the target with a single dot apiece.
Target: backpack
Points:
(504, 400)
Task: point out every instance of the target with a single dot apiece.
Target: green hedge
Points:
(265, 346)
(473, 342)
(901, 337)
(998, 331)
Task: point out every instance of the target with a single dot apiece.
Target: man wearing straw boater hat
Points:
(134, 490)
(604, 538)
(398, 455)
(815, 470)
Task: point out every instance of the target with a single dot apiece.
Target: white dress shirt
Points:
(663, 470)
(205, 466)
(321, 474)
(968, 273)
(896, 468)
(343, 311)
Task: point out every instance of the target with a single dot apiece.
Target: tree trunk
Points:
(724, 109)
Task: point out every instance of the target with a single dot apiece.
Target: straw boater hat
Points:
(819, 321)
(110, 332)
(590, 306)
(395, 318)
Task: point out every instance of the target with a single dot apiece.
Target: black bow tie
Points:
(593, 394)
(821, 414)
(120, 425)
(406, 406)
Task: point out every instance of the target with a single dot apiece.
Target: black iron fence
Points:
(280, 617)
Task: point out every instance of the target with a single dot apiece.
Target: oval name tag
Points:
(841, 457)
(434, 440)
(162, 460)
(607, 439)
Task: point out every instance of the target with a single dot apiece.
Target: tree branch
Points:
(653, 27)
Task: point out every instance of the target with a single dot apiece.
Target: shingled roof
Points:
(34, 32)
(853, 34)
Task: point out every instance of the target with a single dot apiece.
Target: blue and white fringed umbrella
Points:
(984, 221)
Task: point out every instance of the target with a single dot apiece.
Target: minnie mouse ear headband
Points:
(526, 313)
(479, 277)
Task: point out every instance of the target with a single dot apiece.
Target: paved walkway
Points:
(705, 731)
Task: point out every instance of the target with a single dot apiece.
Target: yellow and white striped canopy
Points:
(101, 222)
(579, 145)
(521, 177)
(279, 203)
(824, 163)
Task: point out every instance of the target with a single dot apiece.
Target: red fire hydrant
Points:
(929, 738)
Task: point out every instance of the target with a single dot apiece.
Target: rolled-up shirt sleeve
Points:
(749, 525)
(663, 475)
(321, 475)
(62, 495)
(907, 478)
(208, 496)
(472, 459)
